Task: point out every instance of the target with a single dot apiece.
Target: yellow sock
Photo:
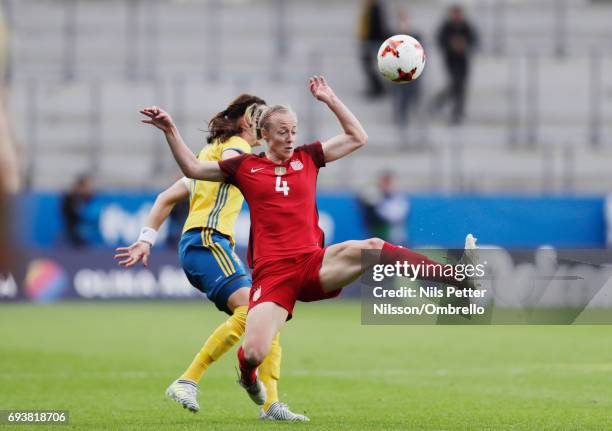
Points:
(269, 372)
(220, 341)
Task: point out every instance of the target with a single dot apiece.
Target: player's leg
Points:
(458, 87)
(343, 263)
(224, 337)
(235, 294)
(214, 271)
(269, 308)
(269, 372)
(264, 322)
(270, 369)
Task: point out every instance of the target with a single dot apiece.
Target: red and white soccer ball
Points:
(401, 59)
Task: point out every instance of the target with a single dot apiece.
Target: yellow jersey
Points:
(214, 206)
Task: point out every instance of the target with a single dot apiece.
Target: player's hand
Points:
(130, 256)
(158, 118)
(321, 90)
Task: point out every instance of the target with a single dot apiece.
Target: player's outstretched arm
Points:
(354, 136)
(141, 249)
(187, 161)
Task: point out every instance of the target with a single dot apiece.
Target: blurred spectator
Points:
(373, 31)
(385, 210)
(9, 166)
(9, 169)
(406, 97)
(9, 184)
(73, 204)
(457, 39)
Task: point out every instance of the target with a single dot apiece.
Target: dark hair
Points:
(225, 124)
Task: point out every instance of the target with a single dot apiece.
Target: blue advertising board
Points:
(113, 219)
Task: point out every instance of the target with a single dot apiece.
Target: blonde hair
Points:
(266, 116)
(252, 117)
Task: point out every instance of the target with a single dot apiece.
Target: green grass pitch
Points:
(109, 364)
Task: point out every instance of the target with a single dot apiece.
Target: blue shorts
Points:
(212, 268)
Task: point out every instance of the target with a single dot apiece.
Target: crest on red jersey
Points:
(296, 165)
(280, 170)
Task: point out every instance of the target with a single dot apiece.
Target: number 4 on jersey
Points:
(281, 186)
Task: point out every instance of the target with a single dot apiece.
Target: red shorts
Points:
(286, 280)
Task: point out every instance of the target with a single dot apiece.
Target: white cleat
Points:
(470, 257)
(256, 391)
(184, 392)
(280, 412)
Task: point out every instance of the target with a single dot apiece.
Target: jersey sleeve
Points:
(230, 167)
(315, 151)
(237, 144)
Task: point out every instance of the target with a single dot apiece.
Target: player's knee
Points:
(373, 244)
(353, 249)
(256, 351)
(366, 244)
(257, 355)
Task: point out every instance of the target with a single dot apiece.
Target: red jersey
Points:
(281, 199)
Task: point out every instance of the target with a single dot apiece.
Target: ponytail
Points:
(226, 123)
(253, 116)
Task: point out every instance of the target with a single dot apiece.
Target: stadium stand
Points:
(539, 96)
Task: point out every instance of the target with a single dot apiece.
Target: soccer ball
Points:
(401, 59)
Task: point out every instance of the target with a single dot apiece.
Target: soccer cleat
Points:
(470, 257)
(256, 391)
(280, 412)
(185, 393)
